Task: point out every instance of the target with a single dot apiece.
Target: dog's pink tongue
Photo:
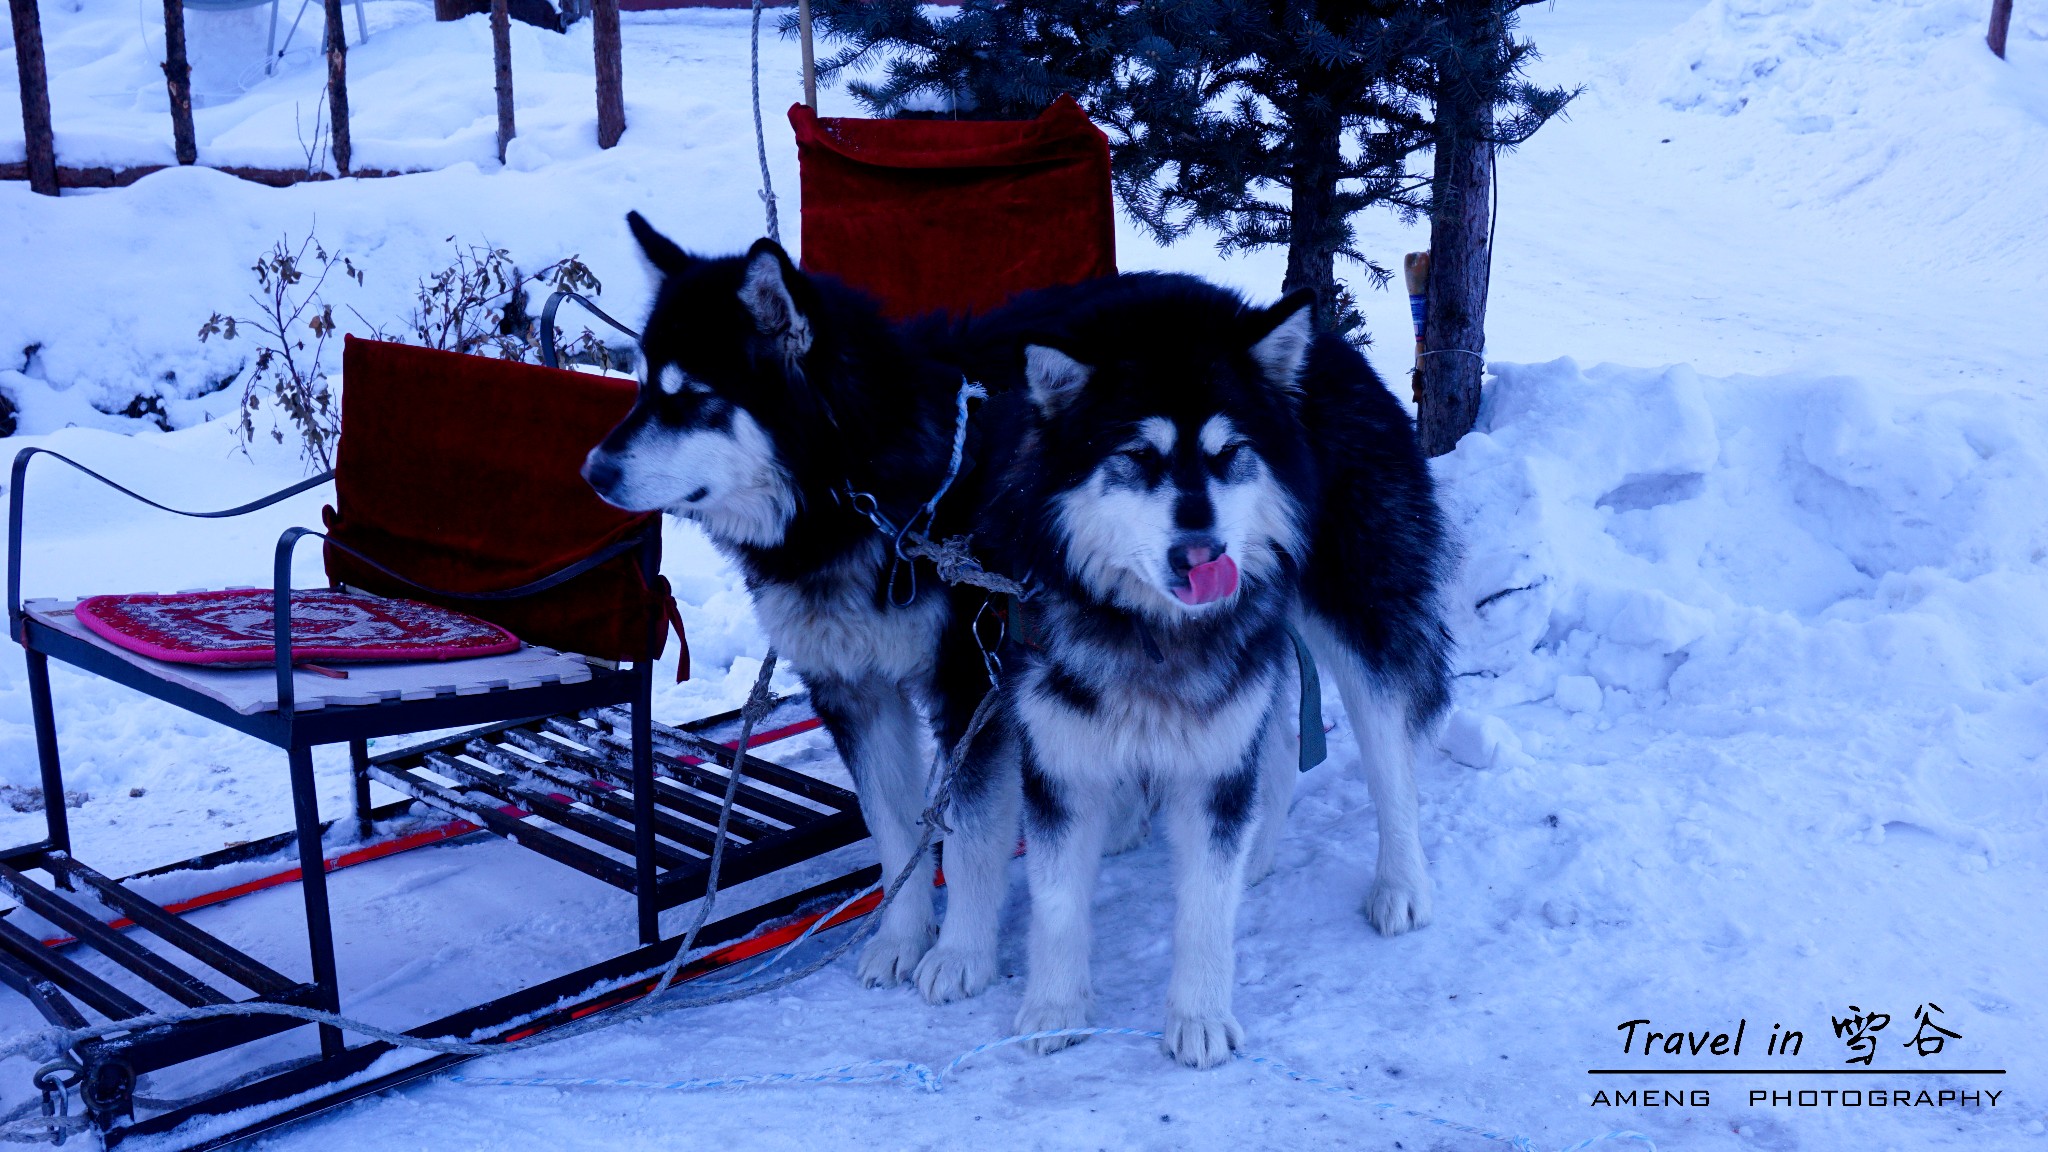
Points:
(1209, 582)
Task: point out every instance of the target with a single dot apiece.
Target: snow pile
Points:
(1702, 548)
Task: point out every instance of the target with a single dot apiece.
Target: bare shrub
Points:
(478, 305)
(289, 371)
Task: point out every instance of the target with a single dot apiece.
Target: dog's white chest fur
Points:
(1131, 729)
(831, 623)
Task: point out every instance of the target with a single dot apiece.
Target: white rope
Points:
(761, 137)
(759, 702)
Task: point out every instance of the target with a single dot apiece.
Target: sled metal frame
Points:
(599, 784)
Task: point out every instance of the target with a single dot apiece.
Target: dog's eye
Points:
(673, 381)
(1145, 456)
(1225, 457)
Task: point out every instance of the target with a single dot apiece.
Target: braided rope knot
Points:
(41, 1045)
(954, 559)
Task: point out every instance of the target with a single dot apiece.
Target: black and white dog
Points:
(1184, 474)
(768, 397)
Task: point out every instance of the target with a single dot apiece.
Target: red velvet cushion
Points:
(462, 472)
(955, 215)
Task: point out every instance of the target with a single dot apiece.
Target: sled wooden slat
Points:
(180, 985)
(590, 825)
(612, 800)
(47, 998)
(578, 778)
(688, 771)
(67, 974)
(667, 793)
(514, 828)
(201, 946)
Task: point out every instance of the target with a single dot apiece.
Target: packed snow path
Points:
(1752, 717)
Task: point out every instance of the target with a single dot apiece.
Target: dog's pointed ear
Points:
(1053, 377)
(1281, 338)
(766, 291)
(662, 252)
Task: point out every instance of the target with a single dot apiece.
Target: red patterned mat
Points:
(235, 627)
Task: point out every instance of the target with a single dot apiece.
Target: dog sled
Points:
(457, 488)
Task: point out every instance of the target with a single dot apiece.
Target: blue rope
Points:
(925, 1078)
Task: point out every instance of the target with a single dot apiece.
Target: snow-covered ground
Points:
(1752, 718)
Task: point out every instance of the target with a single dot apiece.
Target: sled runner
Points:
(456, 484)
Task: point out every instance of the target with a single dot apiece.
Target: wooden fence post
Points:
(611, 91)
(178, 76)
(501, 55)
(35, 96)
(2001, 21)
(337, 85)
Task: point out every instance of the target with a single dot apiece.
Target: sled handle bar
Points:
(548, 354)
(17, 506)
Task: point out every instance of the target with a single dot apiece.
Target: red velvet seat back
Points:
(463, 473)
(955, 215)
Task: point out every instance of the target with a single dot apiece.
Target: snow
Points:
(1751, 709)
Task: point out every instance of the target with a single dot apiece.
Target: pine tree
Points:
(1266, 121)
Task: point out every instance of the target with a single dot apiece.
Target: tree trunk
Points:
(1315, 230)
(501, 56)
(35, 96)
(611, 91)
(450, 9)
(178, 75)
(337, 85)
(1460, 245)
(2001, 21)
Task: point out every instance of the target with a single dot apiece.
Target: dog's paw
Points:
(1202, 1040)
(1051, 1017)
(1399, 903)
(950, 972)
(891, 958)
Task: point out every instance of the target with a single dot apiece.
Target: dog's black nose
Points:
(602, 474)
(1192, 551)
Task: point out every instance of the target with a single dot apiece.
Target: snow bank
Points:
(1781, 554)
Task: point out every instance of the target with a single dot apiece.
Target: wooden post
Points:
(337, 85)
(178, 76)
(35, 96)
(501, 53)
(803, 23)
(611, 91)
(2001, 21)
(1415, 274)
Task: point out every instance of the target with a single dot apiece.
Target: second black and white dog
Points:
(1185, 475)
